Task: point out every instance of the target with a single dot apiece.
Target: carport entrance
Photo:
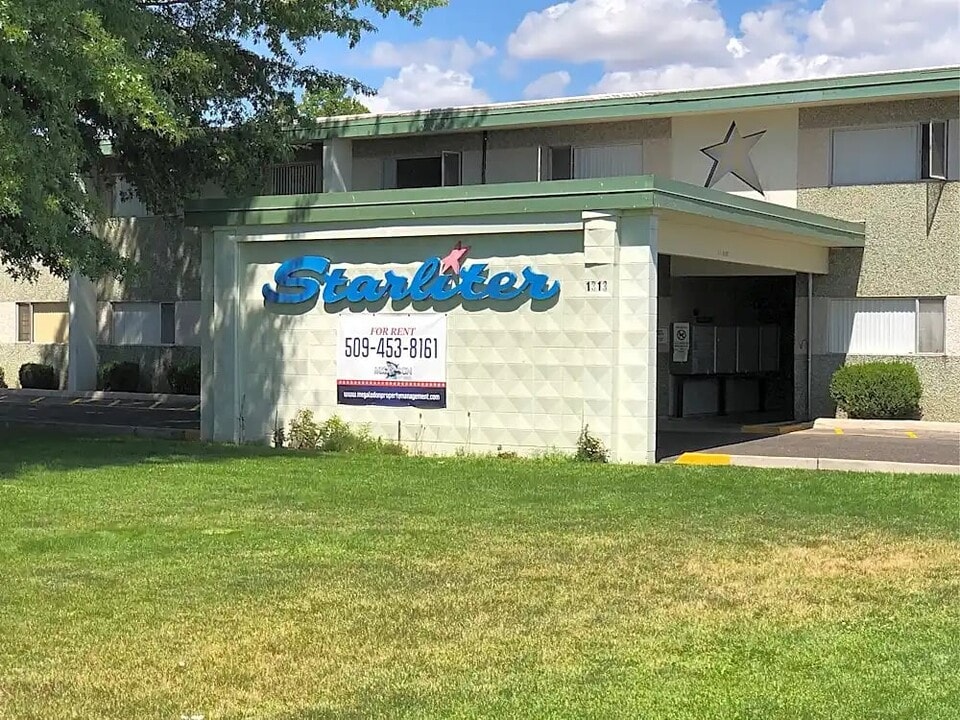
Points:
(729, 342)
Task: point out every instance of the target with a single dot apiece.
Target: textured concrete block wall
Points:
(521, 375)
(912, 249)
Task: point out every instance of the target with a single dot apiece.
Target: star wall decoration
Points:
(454, 260)
(732, 157)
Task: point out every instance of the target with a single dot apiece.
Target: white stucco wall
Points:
(525, 377)
(774, 156)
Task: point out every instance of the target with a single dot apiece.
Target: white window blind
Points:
(136, 323)
(886, 326)
(608, 161)
(869, 156)
(125, 201)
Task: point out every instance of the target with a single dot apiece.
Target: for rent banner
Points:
(392, 360)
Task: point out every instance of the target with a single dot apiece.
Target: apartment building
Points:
(602, 261)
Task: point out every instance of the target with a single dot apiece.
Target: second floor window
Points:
(890, 154)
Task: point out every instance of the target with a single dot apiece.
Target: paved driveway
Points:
(886, 446)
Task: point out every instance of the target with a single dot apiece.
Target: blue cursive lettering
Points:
(300, 280)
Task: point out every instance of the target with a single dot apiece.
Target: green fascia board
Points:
(939, 81)
(644, 192)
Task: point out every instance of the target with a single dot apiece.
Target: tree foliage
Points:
(329, 102)
(183, 92)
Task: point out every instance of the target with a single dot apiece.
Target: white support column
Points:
(635, 386)
(337, 165)
(82, 347)
(598, 316)
(208, 406)
(224, 329)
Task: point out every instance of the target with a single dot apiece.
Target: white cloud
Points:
(674, 44)
(622, 32)
(423, 86)
(454, 54)
(548, 86)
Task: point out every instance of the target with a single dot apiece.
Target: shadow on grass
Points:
(23, 450)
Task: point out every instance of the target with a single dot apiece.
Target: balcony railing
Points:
(295, 179)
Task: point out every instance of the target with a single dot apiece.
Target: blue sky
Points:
(476, 51)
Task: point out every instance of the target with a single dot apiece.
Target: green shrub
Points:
(304, 431)
(3, 382)
(119, 377)
(336, 435)
(184, 379)
(38, 377)
(877, 390)
(590, 448)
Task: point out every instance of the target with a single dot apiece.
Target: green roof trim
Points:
(644, 192)
(854, 88)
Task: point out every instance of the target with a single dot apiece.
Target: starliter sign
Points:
(300, 280)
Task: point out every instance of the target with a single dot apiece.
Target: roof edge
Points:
(645, 192)
(847, 88)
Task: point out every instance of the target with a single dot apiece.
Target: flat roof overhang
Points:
(695, 221)
(926, 82)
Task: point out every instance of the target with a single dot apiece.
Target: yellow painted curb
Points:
(696, 458)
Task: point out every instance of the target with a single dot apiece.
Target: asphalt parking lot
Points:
(180, 414)
(150, 412)
(919, 446)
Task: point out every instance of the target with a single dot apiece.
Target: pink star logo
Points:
(454, 259)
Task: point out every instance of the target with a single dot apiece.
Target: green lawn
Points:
(155, 580)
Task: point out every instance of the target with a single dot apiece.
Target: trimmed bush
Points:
(37, 376)
(119, 377)
(184, 379)
(3, 382)
(877, 390)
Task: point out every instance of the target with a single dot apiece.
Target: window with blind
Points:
(43, 323)
(605, 161)
(886, 326)
(136, 323)
(891, 154)
(597, 161)
(24, 322)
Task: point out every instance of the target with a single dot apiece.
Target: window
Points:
(295, 179)
(168, 323)
(43, 323)
(598, 161)
(561, 163)
(902, 153)
(451, 169)
(136, 323)
(933, 151)
(886, 326)
(931, 328)
(869, 156)
(608, 161)
(442, 170)
(24, 323)
(124, 200)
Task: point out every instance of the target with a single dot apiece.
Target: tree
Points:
(170, 94)
(329, 102)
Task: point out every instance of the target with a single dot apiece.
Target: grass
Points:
(157, 580)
